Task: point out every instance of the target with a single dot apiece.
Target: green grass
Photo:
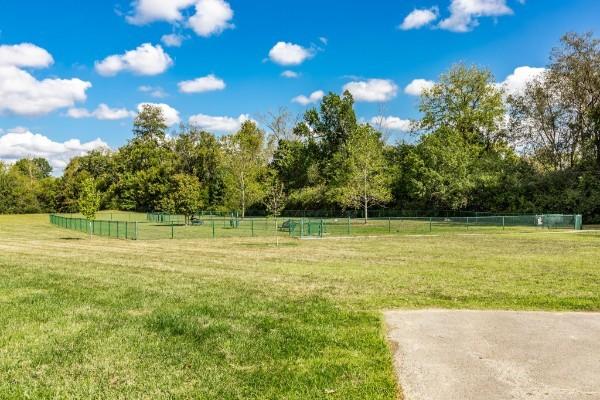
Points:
(240, 318)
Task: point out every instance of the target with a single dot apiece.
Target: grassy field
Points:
(242, 319)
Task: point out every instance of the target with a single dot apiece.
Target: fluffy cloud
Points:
(290, 74)
(419, 18)
(154, 91)
(465, 14)
(145, 60)
(312, 98)
(21, 93)
(372, 90)
(172, 40)
(391, 123)
(146, 11)
(25, 55)
(218, 124)
(102, 112)
(170, 114)
(516, 82)
(20, 143)
(289, 54)
(212, 17)
(417, 86)
(205, 84)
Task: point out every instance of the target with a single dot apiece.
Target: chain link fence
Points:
(207, 225)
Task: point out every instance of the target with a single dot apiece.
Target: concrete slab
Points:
(496, 355)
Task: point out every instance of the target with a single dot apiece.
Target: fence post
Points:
(117, 229)
(321, 230)
(213, 228)
(126, 226)
(430, 224)
(502, 222)
(349, 224)
(389, 224)
(252, 226)
(109, 224)
(136, 231)
(172, 230)
(302, 227)
(467, 223)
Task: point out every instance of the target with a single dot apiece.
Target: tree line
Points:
(474, 148)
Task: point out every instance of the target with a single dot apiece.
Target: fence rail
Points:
(199, 226)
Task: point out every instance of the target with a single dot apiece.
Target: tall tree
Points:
(365, 181)
(466, 101)
(245, 165)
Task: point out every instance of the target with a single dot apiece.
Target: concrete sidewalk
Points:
(491, 355)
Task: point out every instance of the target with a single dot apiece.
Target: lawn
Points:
(240, 318)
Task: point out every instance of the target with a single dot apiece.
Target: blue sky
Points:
(370, 46)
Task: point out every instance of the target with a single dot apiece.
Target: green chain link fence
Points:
(229, 225)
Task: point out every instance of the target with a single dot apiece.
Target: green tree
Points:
(185, 197)
(144, 166)
(365, 179)
(466, 101)
(199, 153)
(89, 199)
(150, 124)
(245, 165)
(34, 168)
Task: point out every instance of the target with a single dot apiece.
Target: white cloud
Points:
(145, 60)
(290, 74)
(21, 93)
(212, 17)
(102, 112)
(170, 114)
(516, 82)
(20, 143)
(25, 55)
(391, 123)
(147, 11)
(218, 124)
(284, 53)
(172, 40)
(419, 18)
(154, 91)
(205, 84)
(465, 14)
(372, 90)
(312, 98)
(417, 86)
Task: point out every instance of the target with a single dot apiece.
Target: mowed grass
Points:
(243, 319)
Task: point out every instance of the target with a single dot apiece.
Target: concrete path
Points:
(496, 355)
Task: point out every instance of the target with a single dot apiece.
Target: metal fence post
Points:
(252, 226)
(136, 231)
(502, 222)
(349, 223)
(213, 228)
(172, 230)
(430, 224)
(467, 223)
(321, 230)
(389, 224)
